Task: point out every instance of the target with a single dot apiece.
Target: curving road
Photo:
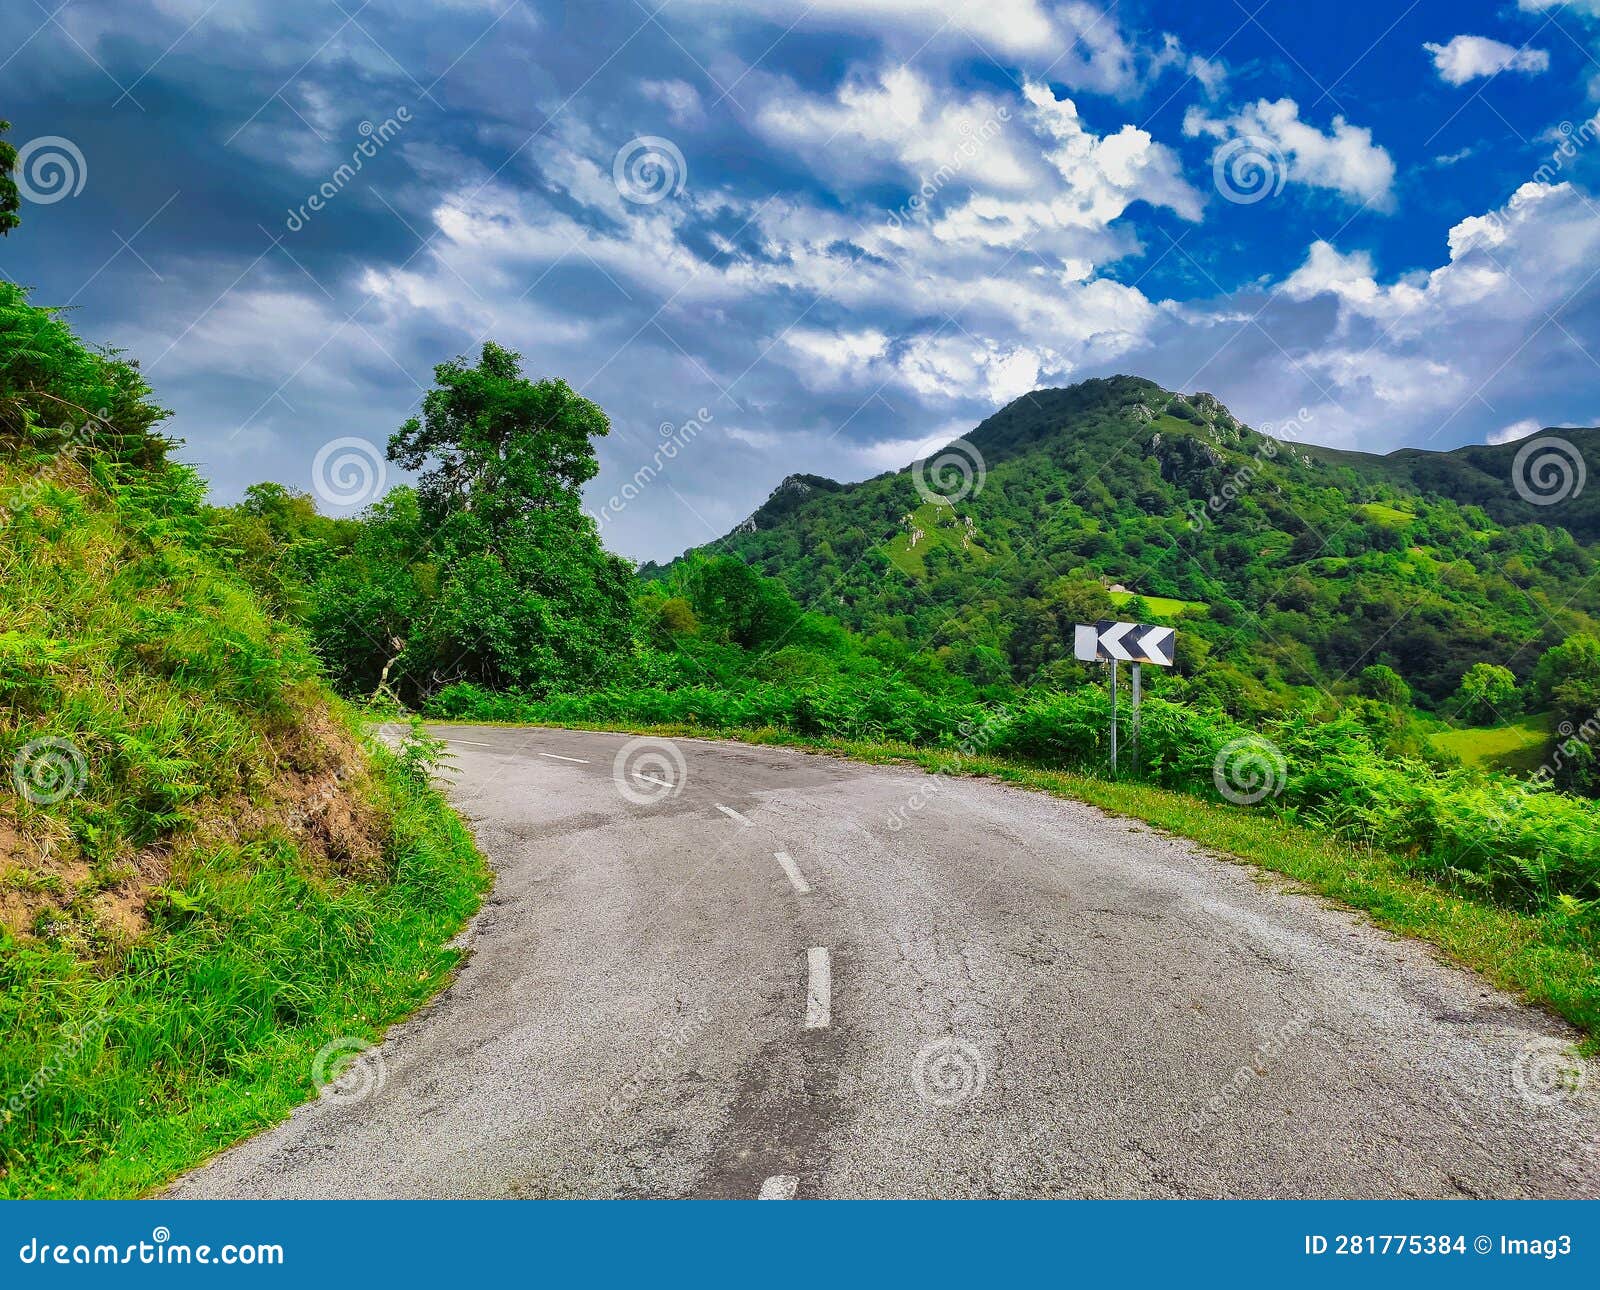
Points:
(756, 971)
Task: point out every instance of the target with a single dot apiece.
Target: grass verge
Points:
(1545, 958)
(208, 1028)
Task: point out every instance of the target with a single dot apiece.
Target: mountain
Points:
(1283, 564)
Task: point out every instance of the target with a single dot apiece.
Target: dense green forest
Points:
(1285, 567)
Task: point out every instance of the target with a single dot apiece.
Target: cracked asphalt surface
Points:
(1030, 998)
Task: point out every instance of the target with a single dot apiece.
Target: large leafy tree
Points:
(1488, 692)
(10, 199)
(491, 572)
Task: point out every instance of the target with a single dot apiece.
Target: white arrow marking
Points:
(819, 989)
(779, 1187)
(1112, 640)
(1156, 644)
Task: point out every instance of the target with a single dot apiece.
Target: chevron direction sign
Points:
(1124, 643)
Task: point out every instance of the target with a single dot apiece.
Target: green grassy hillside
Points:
(1514, 747)
(207, 875)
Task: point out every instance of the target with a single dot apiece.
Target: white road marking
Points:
(733, 814)
(819, 989)
(651, 779)
(796, 878)
(511, 752)
(779, 1187)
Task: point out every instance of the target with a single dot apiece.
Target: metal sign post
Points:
(1113, 716)
(1133, 730)
(1135, 643)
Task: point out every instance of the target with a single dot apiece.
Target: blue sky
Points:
(832, 235)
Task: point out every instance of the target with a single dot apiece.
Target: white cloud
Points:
(1466, 58)
(1579, 6)
(1013, 26)
(1426, 353)
(681, 100)
(1080, 43)
(1212, 74)
(833, 358)
(1345, 159)
(1516, 430)
(1107, 174)
(954, 367)
(896, 116)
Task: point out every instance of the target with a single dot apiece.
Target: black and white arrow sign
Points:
(1125, 643)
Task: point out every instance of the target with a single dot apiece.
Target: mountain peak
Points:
(1041, 413)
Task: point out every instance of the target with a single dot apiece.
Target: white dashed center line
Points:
(779, 1187)
(733, 814)
(651, 779)
(559, 757)
(819, 989)
(796, 878)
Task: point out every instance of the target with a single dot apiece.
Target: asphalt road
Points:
(761, 972)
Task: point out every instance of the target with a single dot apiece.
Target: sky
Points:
(773, 236)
